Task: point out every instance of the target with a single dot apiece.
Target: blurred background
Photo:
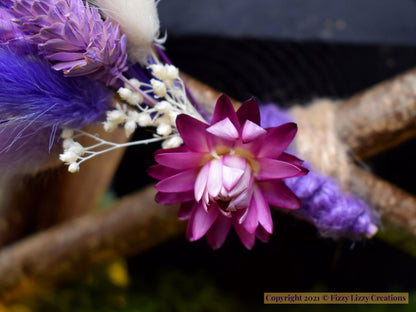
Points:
(287, 52)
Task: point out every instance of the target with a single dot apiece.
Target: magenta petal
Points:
(161, 172)
(180, 161)
(223, 109)
(214, 184)
(250, 222)
(278, 194)
(262, 235)
(231, 176)
(224, 129)
(185, 210)
(218, 232)
(264, 216)
(181, 182)
(246, 238)
(290, 159)
(201, 221)
(271, 169)
(277, 140)
(174, 198)
(251, 131)
(201, 181)
(179, 149)
(193, 133)
(245, 183)
(249, 110)
(235, 162)
(242, 200)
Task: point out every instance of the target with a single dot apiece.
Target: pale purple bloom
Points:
(73, 37)
(228, 173)
(335, 213)
(8, 30)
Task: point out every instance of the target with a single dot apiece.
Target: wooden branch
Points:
(135, 224)
(379, 118)
(397, 209)
(394, 205)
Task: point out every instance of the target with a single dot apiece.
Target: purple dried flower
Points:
(8, 30)
(228, 173)
(334, 213)
(73, 37)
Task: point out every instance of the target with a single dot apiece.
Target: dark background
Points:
(288, 52)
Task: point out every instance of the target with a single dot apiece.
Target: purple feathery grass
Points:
(334, 213)
(30, 91)
(36, 102)
(23, 149)
(73, 37)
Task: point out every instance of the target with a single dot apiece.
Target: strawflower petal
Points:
(181, 161)
(193, 133)
(218, 232)
(174, 198)
(246, 238)
(224, 109)
(278, 194)
(282, 136)
(181, 182)
(224, 129)
(271, 169)
(201, 181)
(249, 110)
(201, 221)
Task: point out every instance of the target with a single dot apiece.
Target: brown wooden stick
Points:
(394, 205)
(135, 224)
(379, 118)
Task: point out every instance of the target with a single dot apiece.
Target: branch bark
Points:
(135, 224)
(379, 118)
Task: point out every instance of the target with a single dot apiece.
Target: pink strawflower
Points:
(227, 173)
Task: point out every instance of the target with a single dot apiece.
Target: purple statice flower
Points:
(227, 173)
(73, 37)
(335, 214)
(32, 95)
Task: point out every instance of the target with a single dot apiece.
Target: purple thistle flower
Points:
(73, 37)
(228, 173)
(34, 95)
(334, 213)
(8, 30)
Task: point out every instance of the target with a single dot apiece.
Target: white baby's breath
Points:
(171, 101)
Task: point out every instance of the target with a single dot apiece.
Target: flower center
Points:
(225, 181)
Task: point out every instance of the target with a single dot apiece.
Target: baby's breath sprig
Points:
(155, 103)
